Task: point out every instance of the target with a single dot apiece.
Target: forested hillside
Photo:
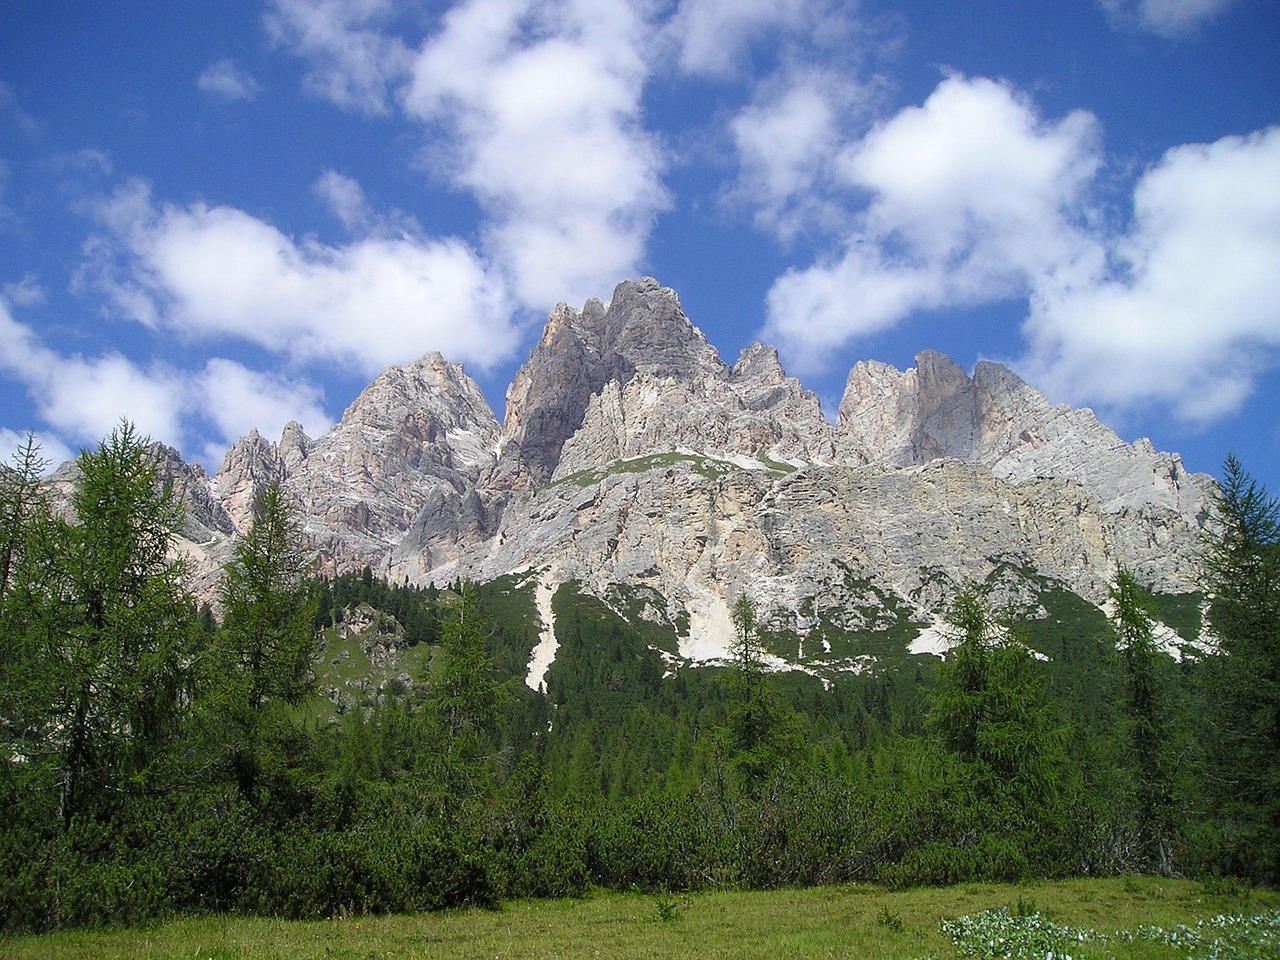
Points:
(310, 746)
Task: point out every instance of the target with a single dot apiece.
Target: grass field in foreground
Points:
(851, 921)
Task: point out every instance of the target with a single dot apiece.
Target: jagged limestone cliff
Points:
(632, 456)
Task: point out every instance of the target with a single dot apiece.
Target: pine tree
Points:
(466, 698)
(27, 526)
(763, 730)
(21, 500)
(1243, 566)
(991, 709)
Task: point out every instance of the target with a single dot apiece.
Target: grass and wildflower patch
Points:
(1081, 919)
(1000, 935)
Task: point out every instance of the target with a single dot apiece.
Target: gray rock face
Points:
(417, 434)
(633, 454)
(249, 466)
(698, 531)
(995, 418)
(642, 332)
(751, 412)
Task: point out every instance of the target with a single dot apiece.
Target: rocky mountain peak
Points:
(294, 447)
(759, 363)
(645, 326)
(642, 332)
(250, 464)
(936, 410)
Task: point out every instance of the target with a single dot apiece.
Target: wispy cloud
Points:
(1167, 18)
(351, 60)
(542, 102)
(345, 198)
(226, 80)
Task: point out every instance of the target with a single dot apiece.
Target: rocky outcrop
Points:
(641, 333)
(697, 531)
(250, 465)
(907, 418)
(752, 412)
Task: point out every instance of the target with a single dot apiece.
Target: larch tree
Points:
(106, 615)
(262, 659)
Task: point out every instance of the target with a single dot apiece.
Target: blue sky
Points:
(224, 215)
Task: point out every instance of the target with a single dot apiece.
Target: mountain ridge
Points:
(631, 455)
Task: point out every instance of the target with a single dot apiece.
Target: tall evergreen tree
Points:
(1147, 720)
(20, 500)
(465, 695)
(991, 708)
(764, 730)
(1243, 565)
(27, 525)
(261, 666)
(101, 612)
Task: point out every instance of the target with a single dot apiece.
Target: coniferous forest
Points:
(161, 756)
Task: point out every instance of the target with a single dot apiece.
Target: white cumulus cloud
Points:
(973, 198)
(542, 102)
(787, 141)
(82, 398)
(213, 271)
(532, 106)
(239, 399)
(1189, 315)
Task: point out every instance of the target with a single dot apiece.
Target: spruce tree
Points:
(992, 711)
(764, 730)
(465, 697)
(1243, 565)
(1147, 720)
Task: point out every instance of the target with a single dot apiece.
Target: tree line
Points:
(157, 759)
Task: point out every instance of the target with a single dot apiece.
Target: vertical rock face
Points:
(909, 418)
(417, 433)
(251, 464)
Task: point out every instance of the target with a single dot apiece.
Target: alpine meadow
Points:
(640, 478)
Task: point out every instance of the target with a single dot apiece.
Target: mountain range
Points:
(636, 463)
